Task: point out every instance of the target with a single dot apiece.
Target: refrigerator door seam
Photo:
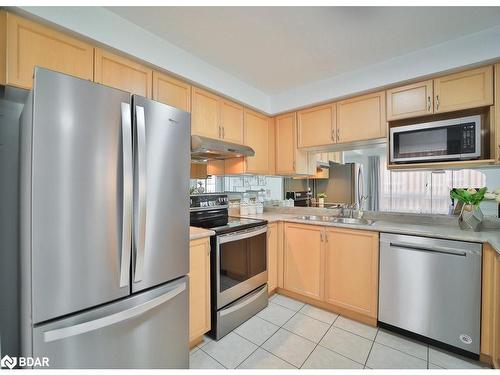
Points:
(140, 235)
(127, 194)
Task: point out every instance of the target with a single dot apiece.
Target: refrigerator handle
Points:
(109, 320)
(127, 194)
(140, 221)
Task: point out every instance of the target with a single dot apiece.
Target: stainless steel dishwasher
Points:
(431, 287)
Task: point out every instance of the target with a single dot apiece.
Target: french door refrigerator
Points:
(104, 227)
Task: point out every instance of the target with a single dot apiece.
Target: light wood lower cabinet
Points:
(361, 118)
(25, 44)
(272, 257)
(351, 278)
(303, 270)
(171, 91)
(122, 73)
(490, 307)
(199, 288)
(337, 267)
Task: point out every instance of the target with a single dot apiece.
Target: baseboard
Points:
(333, 308)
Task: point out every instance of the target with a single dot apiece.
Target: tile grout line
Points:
(212, 358)
(257, 347)
(317, 344)
(371, 347)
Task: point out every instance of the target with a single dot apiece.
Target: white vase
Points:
(321, 202)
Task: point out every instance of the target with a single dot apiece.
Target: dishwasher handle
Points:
(431, 249)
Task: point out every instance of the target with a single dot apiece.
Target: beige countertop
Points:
(197, 233)
(429, 229)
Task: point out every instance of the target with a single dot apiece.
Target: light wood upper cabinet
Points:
(171, 91)
(351, 277)
(122, 73)
(361, 118)
(496, 142)
(256, 137)
(289, 159)
(304, 260)
(199, 288)
(271, 142)
(231, 121)
(205, 118)
(469, 89)
(272, 257)
(410, 101)
(27, 44)
(316, 126)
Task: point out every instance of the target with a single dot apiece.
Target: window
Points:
(423, 191)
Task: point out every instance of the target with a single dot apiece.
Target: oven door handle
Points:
(241, 235)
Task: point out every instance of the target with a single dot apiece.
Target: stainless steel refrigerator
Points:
(346, 184)
(104, 227)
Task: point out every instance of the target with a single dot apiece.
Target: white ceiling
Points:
(276, 49)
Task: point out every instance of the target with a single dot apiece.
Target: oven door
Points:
(241, 263)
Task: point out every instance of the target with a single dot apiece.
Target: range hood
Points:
(203, 148)
(320, 164)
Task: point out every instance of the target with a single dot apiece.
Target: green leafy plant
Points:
(321, 195)
(468, 196)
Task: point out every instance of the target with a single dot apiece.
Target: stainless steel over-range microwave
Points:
(453, 139)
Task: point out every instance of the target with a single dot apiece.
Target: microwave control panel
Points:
(468, 138)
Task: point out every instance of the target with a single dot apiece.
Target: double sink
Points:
(334, 219)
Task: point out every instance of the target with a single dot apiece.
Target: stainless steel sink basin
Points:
(349, 220)
(315, 218)
(333, 219)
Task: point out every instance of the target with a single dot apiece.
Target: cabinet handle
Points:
(338, 134)
(428, 104)
(326, 237)
(332, 135)
(223, 133)
(294, 165)
(219, 133)
(321, 236)
(437, 102)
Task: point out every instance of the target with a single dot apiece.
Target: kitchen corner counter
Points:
(197, 233)
(425, 229)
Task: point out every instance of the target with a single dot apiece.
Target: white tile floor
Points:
(291, 334)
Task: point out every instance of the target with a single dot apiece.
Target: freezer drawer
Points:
(147, 330)
(432, 287)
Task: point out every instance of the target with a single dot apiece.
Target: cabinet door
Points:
(205, 118)
(469, 89)
(256, 136)
(231, 121)
(496, 313)
(122, 73)
(171, 91)
(303, 258)
(316, 126)
(272, 257)
(361, 118)
(285, 143)
(410, 101)
(199, 288)
(351, 277)
(30, 44)
(496, 143)
(336, 157)
(271, 146)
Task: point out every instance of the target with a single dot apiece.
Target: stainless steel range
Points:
(238, 262)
